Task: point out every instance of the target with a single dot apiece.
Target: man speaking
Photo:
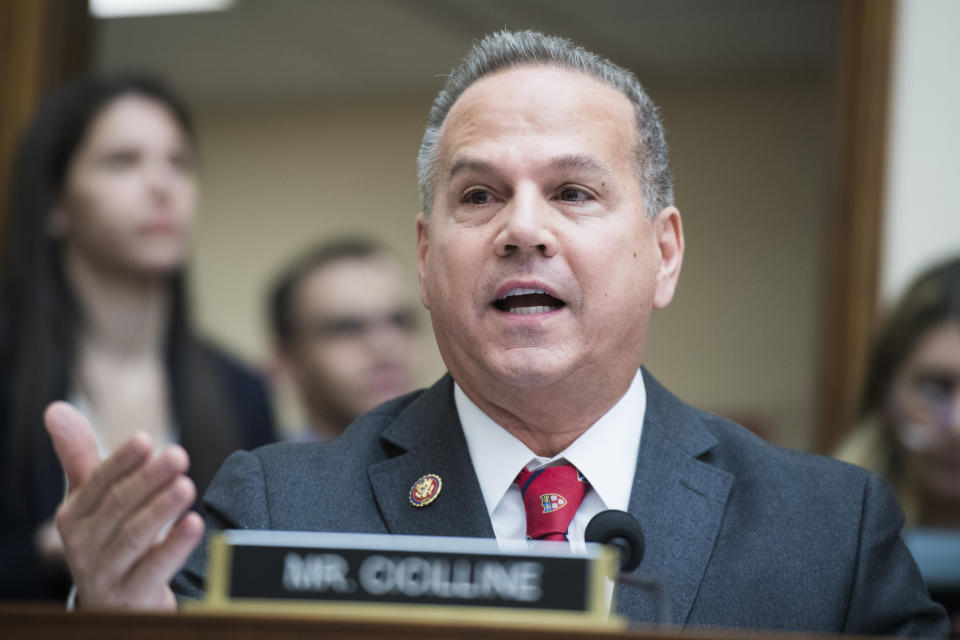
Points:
(547, 237)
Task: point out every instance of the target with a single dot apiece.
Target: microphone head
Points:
(620, 530)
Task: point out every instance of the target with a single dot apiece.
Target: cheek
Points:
(622, 269)
(322, 358)
(447, 267)
(99, 209)
(93, 229)
(619, 288)
(189, 197)
(344, 360)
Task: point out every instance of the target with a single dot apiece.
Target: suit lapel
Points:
(678, 498)
(679, 501)
(430, 439)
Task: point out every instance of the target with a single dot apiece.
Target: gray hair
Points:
(507, 49)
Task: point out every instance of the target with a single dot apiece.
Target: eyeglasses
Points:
(353, 327)
(927, 407)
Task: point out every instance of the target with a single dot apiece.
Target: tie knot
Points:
(551, 497)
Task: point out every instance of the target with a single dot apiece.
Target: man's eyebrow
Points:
(580, 161)
(573, 161)
(470, 164)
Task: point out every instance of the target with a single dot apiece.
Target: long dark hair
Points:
(933, 298)
(40, 317)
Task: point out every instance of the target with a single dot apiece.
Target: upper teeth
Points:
(522, 292)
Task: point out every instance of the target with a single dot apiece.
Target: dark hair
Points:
(283, 292)
(933, 298)
(40, 315)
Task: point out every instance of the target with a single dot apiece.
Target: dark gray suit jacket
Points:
(741, 533)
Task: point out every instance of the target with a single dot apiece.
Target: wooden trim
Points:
(854, 226)
(42, 43)
(36, 622)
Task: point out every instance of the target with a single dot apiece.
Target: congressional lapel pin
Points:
(425, 490)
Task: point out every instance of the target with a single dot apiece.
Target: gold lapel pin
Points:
(425, 490)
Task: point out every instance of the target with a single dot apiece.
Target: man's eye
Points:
(572, 194)
(477, 196)
(339, 328)
(404, 320)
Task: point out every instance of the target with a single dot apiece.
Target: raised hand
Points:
(115, 512)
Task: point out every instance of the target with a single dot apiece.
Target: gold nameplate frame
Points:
(409, 577)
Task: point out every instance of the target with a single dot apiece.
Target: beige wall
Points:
(277, 179)
(922, 217)
(740, 337)
(741, 334)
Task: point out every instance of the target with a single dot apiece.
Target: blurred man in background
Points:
(345, 332)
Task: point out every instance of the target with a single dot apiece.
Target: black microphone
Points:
(620, 530)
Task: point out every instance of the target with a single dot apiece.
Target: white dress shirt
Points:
(606, 454)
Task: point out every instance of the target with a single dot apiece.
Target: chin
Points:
(154, 271)
(533, 373)
(161, 262)
(162, 269)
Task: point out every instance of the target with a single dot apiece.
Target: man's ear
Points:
(668, 232)
(423, 245)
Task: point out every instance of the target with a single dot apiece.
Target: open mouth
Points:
(526, 301)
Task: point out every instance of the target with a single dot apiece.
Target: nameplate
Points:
(354, 572)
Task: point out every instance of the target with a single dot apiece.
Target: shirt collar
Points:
(606, 454)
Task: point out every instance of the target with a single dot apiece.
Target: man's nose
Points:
(527, 225)
(384, 338)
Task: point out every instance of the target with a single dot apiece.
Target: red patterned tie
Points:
(551, 497)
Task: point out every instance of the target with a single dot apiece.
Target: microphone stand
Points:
(623, 533)
(662, 606)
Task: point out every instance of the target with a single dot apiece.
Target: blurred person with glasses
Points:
(345, 333)
(910, 427)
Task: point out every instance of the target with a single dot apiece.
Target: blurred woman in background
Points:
(94, 309)
(910, 428)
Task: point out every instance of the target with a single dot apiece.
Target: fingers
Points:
(165, 560)
(110, 530)
(121, 520)
(73, 441)
(137, 534)
(77, 450)
(147, 585)
(128, 477)
(111, 520)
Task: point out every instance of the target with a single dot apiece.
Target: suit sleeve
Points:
(236, 499)
(888, 596)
